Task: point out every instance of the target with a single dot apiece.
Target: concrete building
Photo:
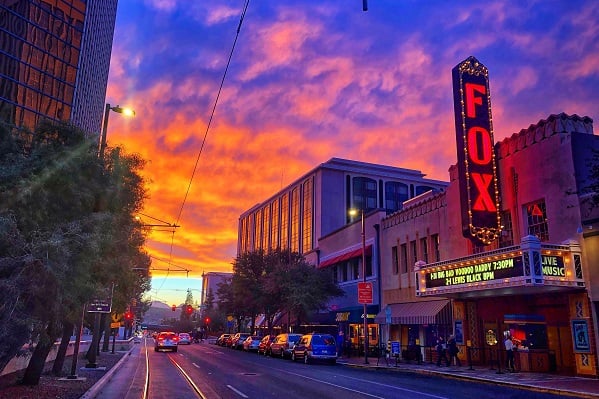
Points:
(536, 283)
(54, 61)
(312, 216)
(210, 283)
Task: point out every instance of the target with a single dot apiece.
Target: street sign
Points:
(388, 314)
(365, 292)
(99, 306)
(116, 317)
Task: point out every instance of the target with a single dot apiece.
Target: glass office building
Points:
(54, 60)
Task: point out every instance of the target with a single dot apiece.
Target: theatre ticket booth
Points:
(534, 292)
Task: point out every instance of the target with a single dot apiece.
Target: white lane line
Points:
(237, 391)
(195, 365)
(395, 387)
(369, 382)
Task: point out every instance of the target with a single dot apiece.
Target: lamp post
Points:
(354, 212)
(118, 109)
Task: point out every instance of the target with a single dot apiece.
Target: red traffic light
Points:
(128, 315)
(189, 309)
(174, 307)
(207, 320)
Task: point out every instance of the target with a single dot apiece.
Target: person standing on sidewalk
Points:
(509, 351)
(340, 343)
(452, 348)
(441, 352)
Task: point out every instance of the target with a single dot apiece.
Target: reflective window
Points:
(285, 221)
(274, 223)
(295, 219)
(307, 211)
(395, 194)
(536, 214)
(364, 193)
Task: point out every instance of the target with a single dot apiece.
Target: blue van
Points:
(315, 347)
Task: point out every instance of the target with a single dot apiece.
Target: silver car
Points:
(166, 340)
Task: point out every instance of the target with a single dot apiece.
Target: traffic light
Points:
(128, 316)
(189, 309)
(174, 307)
(207, 320)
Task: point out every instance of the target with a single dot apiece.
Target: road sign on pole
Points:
(365, 292)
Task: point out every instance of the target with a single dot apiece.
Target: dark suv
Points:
(315, 347)
(283, 344)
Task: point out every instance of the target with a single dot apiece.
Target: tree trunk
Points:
(37, 362)
(107, 330)
(67, 331)
(92, 351)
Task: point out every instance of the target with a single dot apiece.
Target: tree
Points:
(274, 282)
(71, 225)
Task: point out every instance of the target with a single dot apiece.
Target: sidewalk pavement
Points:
(539, 382)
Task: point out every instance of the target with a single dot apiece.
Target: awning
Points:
(421, 312)
(346, 256)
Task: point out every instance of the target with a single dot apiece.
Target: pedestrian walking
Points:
(509, 350)
(452, 348)
(441, 352)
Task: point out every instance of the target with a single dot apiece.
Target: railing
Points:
(493, 357)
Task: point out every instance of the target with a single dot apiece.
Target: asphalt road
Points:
(216, 372)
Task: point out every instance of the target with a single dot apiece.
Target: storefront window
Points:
(528, 331)
(529, 336)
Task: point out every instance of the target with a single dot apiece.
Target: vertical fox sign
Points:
(479, 190)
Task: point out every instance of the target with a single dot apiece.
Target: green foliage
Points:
(274, 282)
(71, 230)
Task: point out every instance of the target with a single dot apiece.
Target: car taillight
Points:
(175, 339)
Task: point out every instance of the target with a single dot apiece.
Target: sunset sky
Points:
(311, 80)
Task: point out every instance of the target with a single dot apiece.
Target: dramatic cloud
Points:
(311, 80)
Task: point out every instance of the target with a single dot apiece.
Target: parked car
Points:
(264, 345)
(315, 347)
(166, 340)
(222, 340)
(184, 339)
(251, 343)
(283, 344)
(237, 340)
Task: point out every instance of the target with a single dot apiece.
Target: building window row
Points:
(410, 253)
(368, 194)
(287, 222)
(351, 270)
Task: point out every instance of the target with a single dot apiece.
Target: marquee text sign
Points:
(487, 271)
(479, 189)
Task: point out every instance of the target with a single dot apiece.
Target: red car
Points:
(264, 345)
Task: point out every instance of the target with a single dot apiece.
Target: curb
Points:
(97, 387)
(533, 388)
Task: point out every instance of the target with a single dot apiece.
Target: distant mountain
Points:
(159, 311)
(159, 305)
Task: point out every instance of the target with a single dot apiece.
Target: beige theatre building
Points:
(510, 248)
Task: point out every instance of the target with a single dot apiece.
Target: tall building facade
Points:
(319, 202)
(210, 283)
(312, 216)
(537, 282)
(54, 60)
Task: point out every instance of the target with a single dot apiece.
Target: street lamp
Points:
(354, 212)
(118, 109)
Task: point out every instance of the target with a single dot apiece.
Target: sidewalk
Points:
(540, 382)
